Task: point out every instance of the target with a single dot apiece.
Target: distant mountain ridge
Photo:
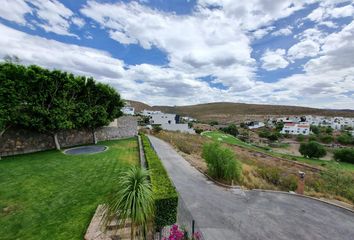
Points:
(225, 112)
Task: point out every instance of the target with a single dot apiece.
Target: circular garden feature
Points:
(85, 150)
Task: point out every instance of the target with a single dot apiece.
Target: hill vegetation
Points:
(226, 112)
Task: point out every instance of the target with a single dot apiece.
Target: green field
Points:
(49, 195)
(226, 138)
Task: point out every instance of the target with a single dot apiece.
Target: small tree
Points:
(312, 150)
(279, 126)
(344, 155)
(156, 128)
(315, 129)
(133, 200)
(221, 162)
(212, 123)
(231, 129)
(345, 138)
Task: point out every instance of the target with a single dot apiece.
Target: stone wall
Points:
(19, 141)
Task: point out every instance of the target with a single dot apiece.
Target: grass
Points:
(222, 137)
(49, 195)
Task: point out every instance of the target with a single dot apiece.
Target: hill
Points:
(226, 112)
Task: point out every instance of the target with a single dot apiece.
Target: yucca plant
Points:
(133, 201)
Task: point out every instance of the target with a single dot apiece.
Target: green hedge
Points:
(165, 194)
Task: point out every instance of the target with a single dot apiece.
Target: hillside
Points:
(225, 112)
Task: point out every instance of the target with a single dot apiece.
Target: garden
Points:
(50, 195)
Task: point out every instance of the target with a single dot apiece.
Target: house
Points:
(170, 122)
(254, 124)
(148, 113)
(296, 128)
(128, 110)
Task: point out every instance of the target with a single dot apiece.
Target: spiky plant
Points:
(133, 200)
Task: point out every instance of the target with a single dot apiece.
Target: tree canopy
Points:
(50, 101)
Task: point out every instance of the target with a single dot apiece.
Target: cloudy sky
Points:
(178, 52)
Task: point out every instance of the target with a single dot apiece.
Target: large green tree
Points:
(52, 101)
(13, 88)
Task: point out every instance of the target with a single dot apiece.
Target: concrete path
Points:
(234, 214)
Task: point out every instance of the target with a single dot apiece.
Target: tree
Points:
(312, 149)
(133, 200)
(344, 155)
(156, 128)
(231, 129)
(98, 105)
(12, 91)
(326, 138)
(315, 129)
(279, 126)
(345, 138)
(212, 123)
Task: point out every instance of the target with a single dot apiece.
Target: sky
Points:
(182, 52)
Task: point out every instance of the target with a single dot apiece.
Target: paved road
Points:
(233, 214)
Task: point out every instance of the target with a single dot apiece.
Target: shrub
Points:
(279, 126)
(300, 138)
(312, 150)
(231, 129)
(264, 134)
(312, 138)
(165, 195)
(221, 162)
(156, 128)
(345, 138)
(274, 136)
(288, 183)
(326, 138)
(198, 130)
(212, 123)
(270, 174)
(315, 129)
(344, 155)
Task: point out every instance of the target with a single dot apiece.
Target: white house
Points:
(148, 113)
(128, 110)
(255, 124)
(296, 128)
(163, 118)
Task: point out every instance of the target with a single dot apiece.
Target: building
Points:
(128, 110)
(296, 128)
(254, 124)
(148, 113)
(169, 121)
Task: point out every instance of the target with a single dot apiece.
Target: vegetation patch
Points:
(50, 195)
(165, 194)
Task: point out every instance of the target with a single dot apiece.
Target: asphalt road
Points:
(236, 214)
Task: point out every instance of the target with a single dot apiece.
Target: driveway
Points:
(235, 214)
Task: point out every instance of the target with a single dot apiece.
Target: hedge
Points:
(165, 194)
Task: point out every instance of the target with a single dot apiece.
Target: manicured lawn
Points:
(49, 195)
(226, 138)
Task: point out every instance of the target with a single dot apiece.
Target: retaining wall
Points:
(19, 141)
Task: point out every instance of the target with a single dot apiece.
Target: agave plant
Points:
(133, 201)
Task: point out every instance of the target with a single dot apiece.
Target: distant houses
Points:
(128, 111)
(296, 128)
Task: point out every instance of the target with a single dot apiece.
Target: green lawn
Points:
(49, 195)
(226, 138)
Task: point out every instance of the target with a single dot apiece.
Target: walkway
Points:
(233, 214)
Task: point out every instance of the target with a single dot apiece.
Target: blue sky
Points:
(180, 52)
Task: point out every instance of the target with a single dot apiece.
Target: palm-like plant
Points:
(133, 200)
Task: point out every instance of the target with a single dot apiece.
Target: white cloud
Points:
(305, 48)
(329, 10)
(14, 10)
(78, 21)
(283, 32)
(272, 60)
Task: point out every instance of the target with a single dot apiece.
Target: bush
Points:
(288, 183)
(156, 128)
(300, 138)
(326, 138)
(345, 138)
(165, 195)
(221, 162)
(274, 136)
(231, 129)
(198, 130)
(344, 155)
(212, 123)
(312, 150)
(270, 174)
(264, 134)
(279, 126)
(312, 138)
(315, 129)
